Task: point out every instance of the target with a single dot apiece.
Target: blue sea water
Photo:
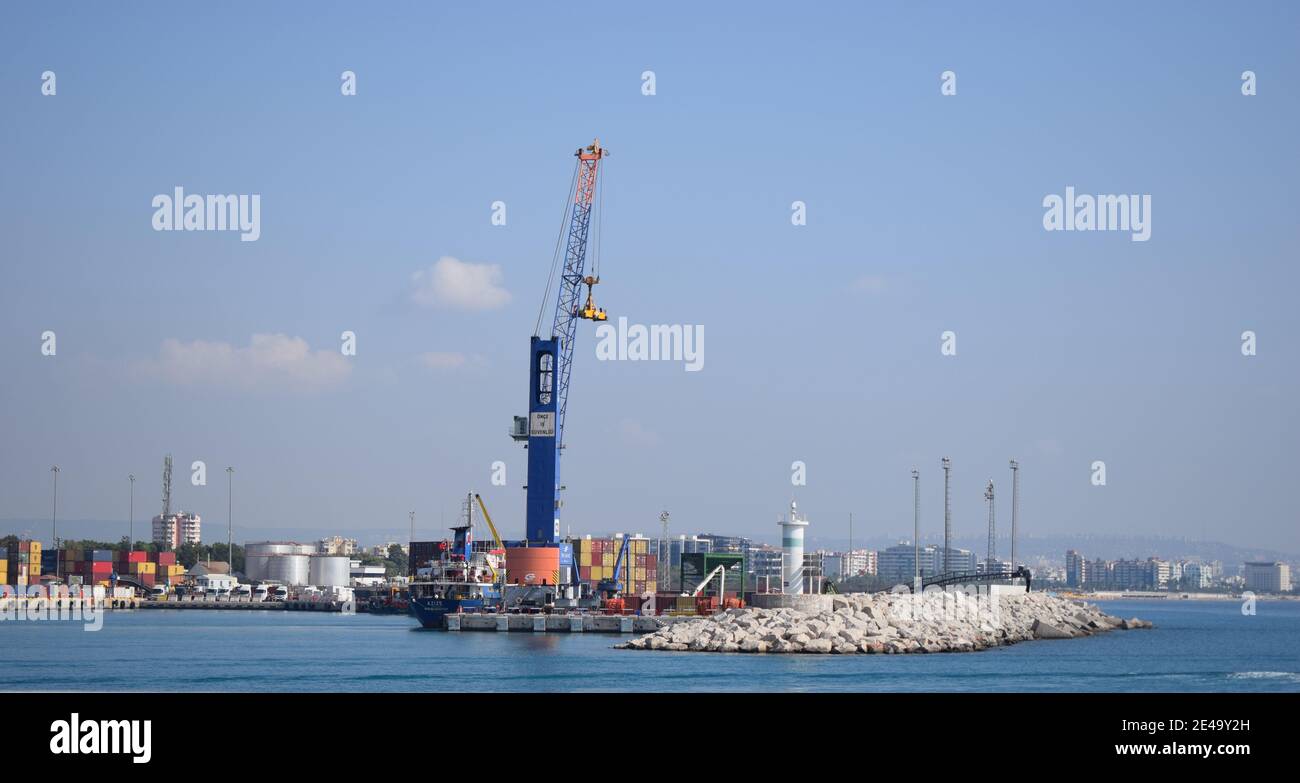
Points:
(1195, 646)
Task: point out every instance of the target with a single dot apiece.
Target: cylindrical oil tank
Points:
(533, 565)
(330, 570)
(294, 570)
(257, 555)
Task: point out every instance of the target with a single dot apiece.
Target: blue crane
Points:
(613, 586)
(551, 359)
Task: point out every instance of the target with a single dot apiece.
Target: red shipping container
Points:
(137, 557)
(167, 558)
(584, 573)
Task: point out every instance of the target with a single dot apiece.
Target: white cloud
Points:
(870, 284)
(460, 284)
(270, 361)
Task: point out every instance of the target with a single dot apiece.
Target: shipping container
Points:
(167, 558)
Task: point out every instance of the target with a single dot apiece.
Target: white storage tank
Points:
(256, 555)
(293, 570)
(262, 561)
(330, 570)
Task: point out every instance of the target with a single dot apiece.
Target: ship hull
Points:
(431, 611)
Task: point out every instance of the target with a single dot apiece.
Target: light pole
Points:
(230, 525)
(916, 530)
(1015, 510)
(54, 521)
(947, 514)
(130, 525)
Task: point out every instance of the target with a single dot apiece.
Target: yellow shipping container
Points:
(597, 573)
(584, 558)
(607, 560)
(584, 545)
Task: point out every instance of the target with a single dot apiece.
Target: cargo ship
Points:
(457, 579)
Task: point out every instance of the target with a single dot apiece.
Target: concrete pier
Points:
(556, 623)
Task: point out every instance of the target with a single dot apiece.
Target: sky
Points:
(924, 214)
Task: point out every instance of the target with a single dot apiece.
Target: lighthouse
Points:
(792, 552)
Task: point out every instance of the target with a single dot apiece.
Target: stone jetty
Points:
(888, 623)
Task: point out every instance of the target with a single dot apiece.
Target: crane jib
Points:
(551, 363)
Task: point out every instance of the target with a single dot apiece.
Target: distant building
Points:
(845, 565)
(337, 545)
(814, 573)
(1075, 569)
(1175, 573)
(1264, 577)
(1197, 575)
(173, 530)
(381, 550)
(960, 561)
(1099, 573)
(223, 582)
(671, 550)
(995, 567)
(832, 564)
(765, 568)
(738, 545)
(366, 575)
(898, 563)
